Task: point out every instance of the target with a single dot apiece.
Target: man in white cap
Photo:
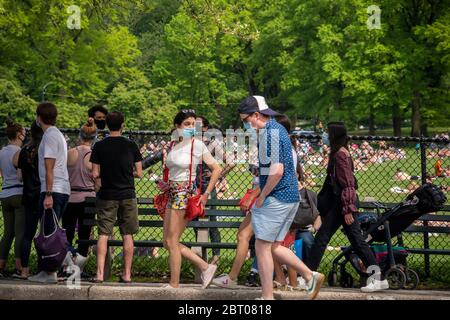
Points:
(275, 207)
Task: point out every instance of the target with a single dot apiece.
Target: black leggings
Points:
(31, 224)
(75, 214)
(332, 221)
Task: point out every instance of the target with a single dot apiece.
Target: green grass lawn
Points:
(406, 131)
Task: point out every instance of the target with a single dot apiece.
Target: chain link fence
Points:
(387, 169)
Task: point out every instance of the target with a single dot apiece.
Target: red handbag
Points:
(245, 198)
(193, 208)
(160, 201)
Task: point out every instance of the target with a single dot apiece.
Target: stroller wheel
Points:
(346, 280)
(396, 278)
(332, 278)
(412, 279)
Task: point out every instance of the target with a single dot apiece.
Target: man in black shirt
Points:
(116, 161)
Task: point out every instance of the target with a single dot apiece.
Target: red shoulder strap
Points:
(166, 170)
(190, 164)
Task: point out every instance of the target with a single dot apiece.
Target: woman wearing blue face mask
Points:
(325, 139)
(184, 154)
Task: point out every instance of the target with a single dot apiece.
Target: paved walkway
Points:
(18, 290)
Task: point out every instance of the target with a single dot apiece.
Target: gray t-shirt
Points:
(11, 184)
(54, 146)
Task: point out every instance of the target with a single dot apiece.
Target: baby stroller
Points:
(381, 227)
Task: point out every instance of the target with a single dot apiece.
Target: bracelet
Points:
(207, 193)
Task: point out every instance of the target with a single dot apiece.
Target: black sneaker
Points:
(63, 275)
(18, 275)
(252, 279)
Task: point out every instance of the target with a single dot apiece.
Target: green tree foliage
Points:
(15, 104)
(312, 59)
(77, 67)
(143, 106)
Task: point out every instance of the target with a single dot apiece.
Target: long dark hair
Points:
(287, 124)
(33, 145)
(337, 134)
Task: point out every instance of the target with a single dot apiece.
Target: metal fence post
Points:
(426, 237)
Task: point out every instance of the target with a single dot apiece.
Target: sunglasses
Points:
(245, 119)
(188, 111)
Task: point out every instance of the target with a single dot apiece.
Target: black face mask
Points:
(23, 138)
(25, 141)
(101, 124)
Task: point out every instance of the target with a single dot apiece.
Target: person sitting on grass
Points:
(401, 176)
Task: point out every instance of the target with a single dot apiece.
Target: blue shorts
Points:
(272, 221)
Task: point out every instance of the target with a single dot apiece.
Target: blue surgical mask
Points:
(325, 139)
(253, 134)
(189, 132)
(248, 126)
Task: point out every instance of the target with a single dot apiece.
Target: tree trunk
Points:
(424, 129)
(396, 120)
(371, 122)
(252, 86)
(415, 117)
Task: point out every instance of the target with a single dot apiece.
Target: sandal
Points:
(122, 280)
(278, 286)
(95, 280)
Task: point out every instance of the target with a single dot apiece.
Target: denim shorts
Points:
(272, 221)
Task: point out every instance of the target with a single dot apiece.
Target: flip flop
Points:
(122, 280)
(95, 280)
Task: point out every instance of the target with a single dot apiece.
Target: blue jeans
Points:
(307, 239)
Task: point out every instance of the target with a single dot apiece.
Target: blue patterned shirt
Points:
(275, 146)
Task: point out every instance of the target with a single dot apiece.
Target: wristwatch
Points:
(48, 194)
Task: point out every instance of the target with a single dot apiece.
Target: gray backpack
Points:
(307, 210)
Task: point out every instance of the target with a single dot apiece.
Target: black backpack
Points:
(307, 211)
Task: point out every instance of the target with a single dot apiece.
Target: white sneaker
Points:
(44, 277)
(80, 261)
(68, 259)
(374, 285)
(208, 275)
(301, 284)
(314, 285)
(224, 281)
(169, 287)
